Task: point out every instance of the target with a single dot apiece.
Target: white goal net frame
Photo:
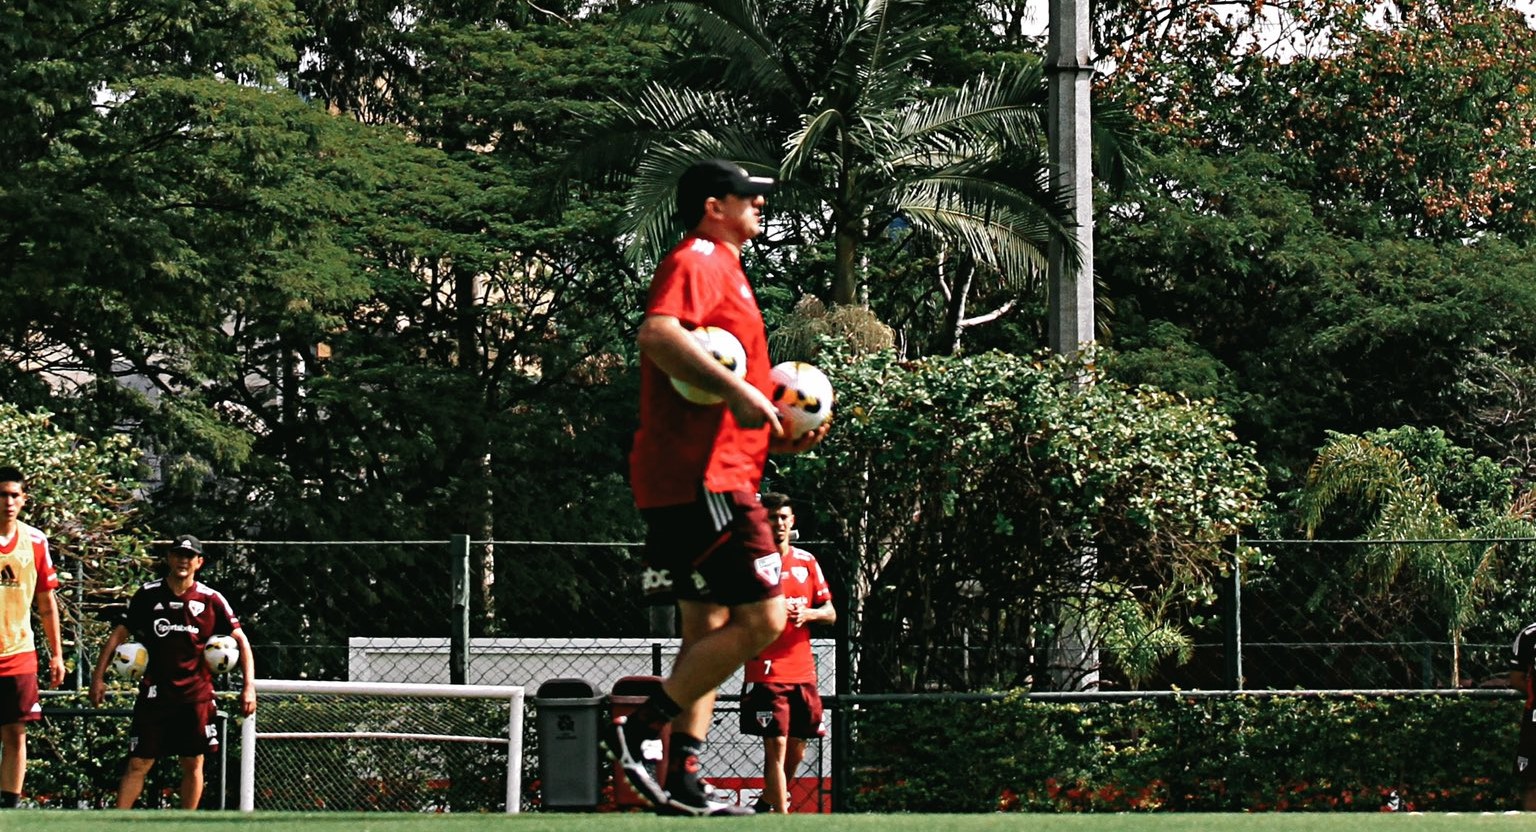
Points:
(251, 734)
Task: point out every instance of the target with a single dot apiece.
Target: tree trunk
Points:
(845, 283)
(958, 290)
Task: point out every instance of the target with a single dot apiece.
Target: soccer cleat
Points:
(616, 747)
(692, 796)
(687, 805)
(761, 806)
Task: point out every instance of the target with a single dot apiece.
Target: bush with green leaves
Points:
(82, 495)
(1183, 753)
(991, 500)
(75, 755)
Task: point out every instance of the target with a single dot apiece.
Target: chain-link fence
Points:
(1295, 613)
(1292, 614)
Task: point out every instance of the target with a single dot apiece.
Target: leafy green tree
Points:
(1428, 514)
(82, 494)
(1337, 271)
(969, 489)
(833, 100)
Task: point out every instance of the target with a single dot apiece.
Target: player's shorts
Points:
(775, 709)
(1525, 750)
(719, 549)
(173, 729)
(18, 699)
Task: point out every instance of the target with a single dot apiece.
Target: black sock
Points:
(655, 713)
(8, 800)
(683, 764)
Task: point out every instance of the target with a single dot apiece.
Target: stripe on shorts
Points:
(720, 510)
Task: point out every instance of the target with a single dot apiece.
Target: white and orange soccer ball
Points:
(726, 350)
(803, 395)
(129, 660)
(221, 654)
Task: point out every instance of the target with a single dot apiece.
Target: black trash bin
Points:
(568, 769)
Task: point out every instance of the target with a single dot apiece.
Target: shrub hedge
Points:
(75, 757)
(1185, 753)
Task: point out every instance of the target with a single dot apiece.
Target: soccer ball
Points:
(726, 350)
(129, 660)
(803, 395)
(221, 654)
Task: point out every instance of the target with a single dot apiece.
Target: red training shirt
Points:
(788, 660)
(176, 628)
(679, 444)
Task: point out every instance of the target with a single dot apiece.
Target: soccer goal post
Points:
(372, 746)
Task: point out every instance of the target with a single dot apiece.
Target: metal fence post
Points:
(458, 649)
(1234, 616)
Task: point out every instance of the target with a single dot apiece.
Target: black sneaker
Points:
(700, 807)
(616, 745)
(761, 806)
(690, 795)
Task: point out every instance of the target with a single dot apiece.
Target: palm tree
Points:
(830, 100)
(1416, 546)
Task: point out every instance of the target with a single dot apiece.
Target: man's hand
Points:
(780, 444)
(752, 409)
(98, 690)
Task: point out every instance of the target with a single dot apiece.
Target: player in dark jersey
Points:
(1522, 677)
(174, 617)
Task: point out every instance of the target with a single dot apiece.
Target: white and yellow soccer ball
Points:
(129, 660)
(221, 654)
(803, 396)
(726, 350)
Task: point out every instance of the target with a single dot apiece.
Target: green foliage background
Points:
(1185, 754)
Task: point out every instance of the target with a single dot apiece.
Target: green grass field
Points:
(142, 821)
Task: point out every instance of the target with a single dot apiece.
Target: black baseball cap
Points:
(717, 178)
(186, 544)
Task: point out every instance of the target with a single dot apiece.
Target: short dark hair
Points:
(773, 501)
(10, 473)
(714, 178)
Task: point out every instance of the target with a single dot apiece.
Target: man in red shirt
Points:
(174, 617)
(695, 470)
(782, 704)
(27, 580)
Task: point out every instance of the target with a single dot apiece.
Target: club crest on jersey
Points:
(767, 568)
(800, 573)
(196, 607)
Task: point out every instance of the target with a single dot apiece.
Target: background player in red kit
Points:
(695, 470)
(27, 580)
(174, 617)
(782, 704)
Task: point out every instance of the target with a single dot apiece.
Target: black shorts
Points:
(173, 729)
(774, 709)
(1525, 751)
(718, 549)
(18, 699)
